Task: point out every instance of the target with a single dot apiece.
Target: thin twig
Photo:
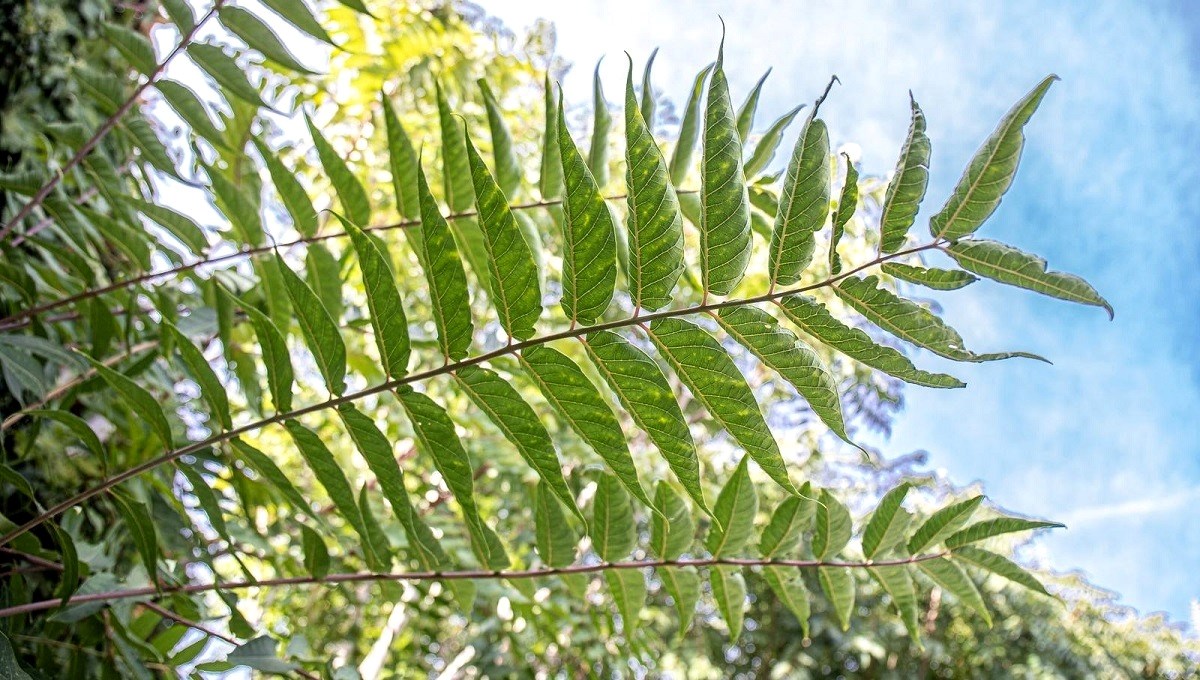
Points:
(390, 385)
(21, 318)
(105, 127)
(168, 614)
(470, 574)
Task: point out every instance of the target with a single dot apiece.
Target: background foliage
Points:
(223, 161)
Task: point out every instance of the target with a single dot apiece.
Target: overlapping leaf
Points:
(655, 223)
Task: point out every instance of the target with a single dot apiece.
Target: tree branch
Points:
(470, 574)
(390, 385)
(22, 318)
(105, 127)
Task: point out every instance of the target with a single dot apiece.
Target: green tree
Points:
(300, 442)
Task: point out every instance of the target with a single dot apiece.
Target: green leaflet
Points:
(513, 281)
(847, 204)
(764, 150)
(655, 223)
(350, 191)
(899, 586)
(138, 400)
(1003, 263)
(444, 273)
(790, 519)
(683, 585)
(613, 531)
(734, 512)
(133, 46)
(268, 470)
(942, 524)
(230, 77)
(295, 197)
(237, 204)
(388, 320)
(320, 333)
(259, 36)
(990, 172)
(937, 279)
(577, 401)
(180, 226)
(556, 542)
(211, 388)
(508, 167)
(832, 527)
(520, 425)
(704, 366)
(910, 321)
(189, 107)
(325, 278)
(316, 555)
(435, 433)
(648, 100)
(812, 318)
(150, 147)
(207, 500)
(782, 536)
(838, 585)
(403, 163)
(950, 577)
(644, 391)
(803, 204)
(689, 131)
(78, 426)
(781, 351)
(377, 451)
(275, 354)
(327, 471)
(298, 15)
(550, 177)
(601, 124)
(383, 555)
(729, 592)
(999, 565)
(787, 585)
(907, 188)
(260, 654)
(589, 270)
(141, 528)
(357, 6)
(885, 523)
(628, 588)
(458, 189)
(745, 114)
(725, 207)
(996, 527)
(179, 12)
(279, 306)
(672, 529)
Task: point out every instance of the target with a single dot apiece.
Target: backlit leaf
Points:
(725, 207)
(990, 172)
(655, 223)
(712, 377)
(577, 401)
(812, 318)
(908, 184)
(1006, 264)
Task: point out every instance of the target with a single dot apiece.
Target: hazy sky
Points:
(1108, 439)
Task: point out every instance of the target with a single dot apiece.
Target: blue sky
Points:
(1108, 439)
